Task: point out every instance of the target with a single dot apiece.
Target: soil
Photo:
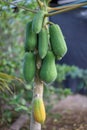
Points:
(69, 114)
(72, 114)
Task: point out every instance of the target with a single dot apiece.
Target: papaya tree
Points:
(44, 44)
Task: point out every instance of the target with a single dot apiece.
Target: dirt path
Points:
(73, 114)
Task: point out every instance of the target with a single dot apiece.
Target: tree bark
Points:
(37, 91)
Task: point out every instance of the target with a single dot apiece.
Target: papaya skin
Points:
(39, 112)
(57, 41)
(48, 71)
(29, 67)
(38, 21)
(30, 38)
(43, 43)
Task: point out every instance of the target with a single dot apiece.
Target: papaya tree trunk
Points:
(37, 90)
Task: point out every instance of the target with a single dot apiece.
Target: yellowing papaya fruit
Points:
(30, 38)
(29, 67)
(43, 43)
(38, 21)
(57, 41)
(39, 112)
(48, 71)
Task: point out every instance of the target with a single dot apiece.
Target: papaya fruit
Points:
(43, 43)
(30, 38)
(57, 41)
(39, 112)
(38, 21)
(29, 67)
(48, 71)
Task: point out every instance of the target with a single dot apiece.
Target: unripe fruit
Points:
(29, 66)
(43, 43)
(48, 72)
(30, 38)
(38, 21)
(57, 41)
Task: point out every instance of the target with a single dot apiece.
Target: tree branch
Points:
(22, 7)
(64, 7)
(68, 8)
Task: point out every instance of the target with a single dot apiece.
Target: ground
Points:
(73, 114)
(68, 114)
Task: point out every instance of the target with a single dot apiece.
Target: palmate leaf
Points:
(5, 79)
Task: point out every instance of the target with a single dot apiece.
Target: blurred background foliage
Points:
(12, 30)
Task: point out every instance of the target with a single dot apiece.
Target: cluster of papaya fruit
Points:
(46, 40)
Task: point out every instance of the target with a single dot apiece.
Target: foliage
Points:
(74, 72)
(12, 26)
(66, 70)
(16, 96)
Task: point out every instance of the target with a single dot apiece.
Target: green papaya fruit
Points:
(43, 43)
(48, 71)
(30, 38)
(29, 67)
(57, 41)
(38, 21)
